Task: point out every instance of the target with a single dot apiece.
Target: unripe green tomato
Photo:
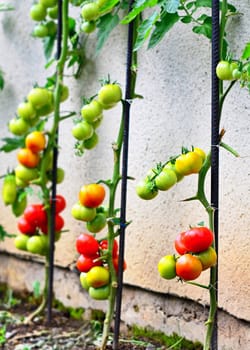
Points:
(18, 126)
(52, 28)
(35, 245)
(88, 27)
(82, 131)
(223, 70)
(39, 97)
(45, 110)
(59, 175)
(83, 281)
(19, 205)
(20, 183)
(26, 111)
(80, 212)
(91, 111)
(171, 166)
(52, 12)
(91, 142)
(165, 180)
(38, 12)
(236, 74)
(146, 190)
(90, 12)
(64, 93)
(101, 293)
(40, 31)
(97, 224)
(166, 267)
(109, 95)
(97, 122)
(9, 189)
(48, 3)
(20, 241)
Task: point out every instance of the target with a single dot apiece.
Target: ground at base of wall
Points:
(69, 330)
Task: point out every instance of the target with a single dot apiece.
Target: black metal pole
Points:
(127, 104)
(215, 139)
(54, 185)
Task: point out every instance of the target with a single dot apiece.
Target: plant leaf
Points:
(166, 22)
(246, 52)
(1, 80)
(48, 46)
(138, 7)
(145, 29)
(203, 3)
(171, 6)
(11, 144)
(106, 24)
(205, 28)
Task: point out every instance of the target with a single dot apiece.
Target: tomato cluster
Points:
(196, 255)
(45, 12)
(90, 12)
(92, 115)
(93, 266)
(33, 227)
(163, 177)
(89, 209)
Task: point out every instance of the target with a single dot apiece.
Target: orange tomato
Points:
(27, 158)
(35, 141)
(91, 195)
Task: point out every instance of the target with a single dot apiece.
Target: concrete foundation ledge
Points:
(166, 313)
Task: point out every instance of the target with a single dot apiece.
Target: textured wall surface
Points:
(175, 112)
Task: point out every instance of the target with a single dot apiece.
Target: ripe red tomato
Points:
(116, 264)
(197, 239)
(85, 263)
(188, 267)
(92, 195)
(179, 245)
(87, 245)
(35, 214)
(25, 226)
(104, 246)
(60, 203)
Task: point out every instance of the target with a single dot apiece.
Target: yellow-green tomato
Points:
(223, 70)
(26, 174)
(80, 212)
(35, 245)
(18, 126)
(109, 95)
(82, 131)
(91, 111)
(88, 27)
(26, 111)
(208, 258)
(90, 11)
(146, 190)
(97, 276)
(9, 189)
(20, 241)
(37, 12)
(165, 180)
(39, 97)
(167, 267)
(19, 205)
(171, 166)
(83, 281)
(97, 224)
(188, 163)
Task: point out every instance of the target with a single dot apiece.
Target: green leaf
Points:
(4, 234)
(171, 6)
(109, 5)
(106, 24)
(186, 19)
(246, 52)
(166, 22)
(205, 28)
(203, 3)
(6, 7)
(48, 46)
(1, 80)
(145, 29)
(138, 7)
(12, 144)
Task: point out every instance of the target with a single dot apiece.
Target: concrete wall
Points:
(174, 79)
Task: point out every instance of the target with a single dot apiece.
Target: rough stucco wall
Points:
(175, 111)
